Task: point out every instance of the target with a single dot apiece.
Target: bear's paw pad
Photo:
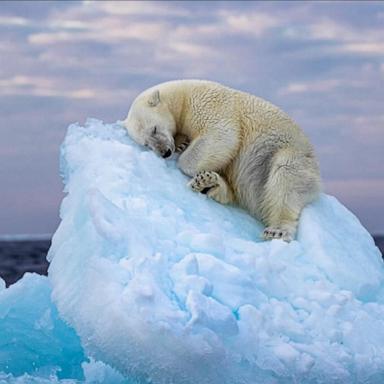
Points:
(204, 181)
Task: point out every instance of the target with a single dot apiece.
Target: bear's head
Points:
(150, 123)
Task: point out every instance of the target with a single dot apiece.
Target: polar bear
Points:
(236, 147)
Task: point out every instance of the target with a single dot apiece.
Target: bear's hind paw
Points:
(277, 233)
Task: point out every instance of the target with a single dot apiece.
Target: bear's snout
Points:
(162, 149)
(167, 153)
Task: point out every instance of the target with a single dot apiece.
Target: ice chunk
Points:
(33, 339)
(36, 346)
(166, 285)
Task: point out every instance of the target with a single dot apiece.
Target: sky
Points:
(64, 61)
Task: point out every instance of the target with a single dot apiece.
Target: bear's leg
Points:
(212, 151)
(213, 185)
(292, 183)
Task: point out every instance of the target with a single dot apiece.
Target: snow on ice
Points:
(164, 285)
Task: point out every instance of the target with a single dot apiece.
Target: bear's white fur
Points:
(238, 148)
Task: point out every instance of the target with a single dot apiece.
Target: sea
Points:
(21, 254)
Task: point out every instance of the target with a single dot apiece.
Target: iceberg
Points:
(167, 286)
(150, 282)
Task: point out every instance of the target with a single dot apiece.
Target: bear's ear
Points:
(154, 99)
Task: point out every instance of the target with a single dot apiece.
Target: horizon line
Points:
(26, 236)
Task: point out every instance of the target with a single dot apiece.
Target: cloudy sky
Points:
(61, 62)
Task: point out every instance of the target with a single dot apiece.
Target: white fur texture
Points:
(257, 155)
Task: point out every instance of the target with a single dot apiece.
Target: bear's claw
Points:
(181, 147)
(277, 233)
(181, 143)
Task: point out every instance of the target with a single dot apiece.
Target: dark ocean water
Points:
(18, 257)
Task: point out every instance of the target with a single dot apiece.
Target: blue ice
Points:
(157, 284)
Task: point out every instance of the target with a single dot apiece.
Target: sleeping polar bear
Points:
(237, 148)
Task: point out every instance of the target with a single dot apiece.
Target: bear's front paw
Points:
(204, 181)
(181, 147)
(181, 143)
(277, 233)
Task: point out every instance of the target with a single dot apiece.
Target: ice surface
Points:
(168, 286)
